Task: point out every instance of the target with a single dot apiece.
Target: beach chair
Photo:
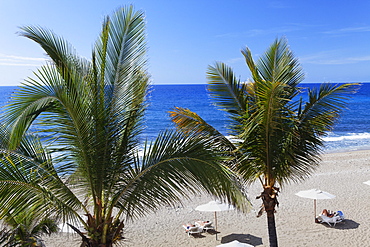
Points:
(206, 225)
(336, 218)
(341, 215)
(190, 230)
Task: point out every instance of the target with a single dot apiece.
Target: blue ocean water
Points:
(352, 132)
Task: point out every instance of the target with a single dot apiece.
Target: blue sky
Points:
(331, 38)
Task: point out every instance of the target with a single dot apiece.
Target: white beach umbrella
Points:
(214, 206)
(367, 182)
(234, 243)
(315, 194)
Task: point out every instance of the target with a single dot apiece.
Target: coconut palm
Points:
(26, 229)
(279, 135)
(72, 146)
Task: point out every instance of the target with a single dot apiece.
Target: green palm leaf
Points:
(89, 116)
(280, 136)
(228, 93)
(175, 166)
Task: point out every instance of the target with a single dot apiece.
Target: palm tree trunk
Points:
(91, 243)
(269, 199)
(272, 228)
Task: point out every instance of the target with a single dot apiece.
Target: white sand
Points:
(341, 174)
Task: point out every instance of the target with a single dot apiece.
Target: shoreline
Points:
(347, 150)
(340, 173)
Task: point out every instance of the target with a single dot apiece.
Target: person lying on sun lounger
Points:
(202, 223)
(326, 213)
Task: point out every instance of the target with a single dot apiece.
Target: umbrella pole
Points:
(216, 224)
(314, 206)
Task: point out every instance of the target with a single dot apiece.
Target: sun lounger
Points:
(190, 230)
(206, 225)
(336, 218)
(341, 214)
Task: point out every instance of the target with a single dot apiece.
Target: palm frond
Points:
(324, 105)
(279, 64)
(29, 179)
(90, 116)
(177, 165)
(227, 92)
(59, 50)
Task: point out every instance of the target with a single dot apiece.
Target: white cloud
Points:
(261, 32)
(18, 64)
(349, 30)
(331, 58)
(235, 60)
(11, 60)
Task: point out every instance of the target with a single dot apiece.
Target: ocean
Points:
(352, 132)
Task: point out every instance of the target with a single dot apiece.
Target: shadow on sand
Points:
(212, 231)
(243, 238)
(199, 235)
(344, 225)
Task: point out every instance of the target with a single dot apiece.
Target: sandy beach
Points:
(341, 174)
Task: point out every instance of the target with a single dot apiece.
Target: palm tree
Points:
(279, 135)
(26, 229)
(71, 145)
